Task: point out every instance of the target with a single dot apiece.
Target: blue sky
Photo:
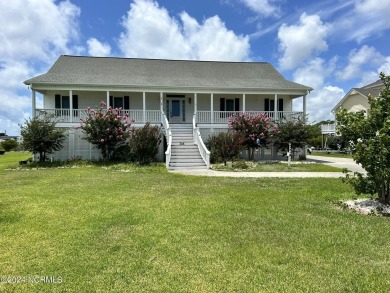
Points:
(331, 46)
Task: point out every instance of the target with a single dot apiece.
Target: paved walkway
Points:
(336, 162)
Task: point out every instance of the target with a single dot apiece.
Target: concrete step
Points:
(187, 165)
(186, 159)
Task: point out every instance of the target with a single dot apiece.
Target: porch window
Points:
(120, 102)
(229, 104)
(269, 105)
(63, 103)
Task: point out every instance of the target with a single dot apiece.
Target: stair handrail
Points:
(168, 135)
(204, 152)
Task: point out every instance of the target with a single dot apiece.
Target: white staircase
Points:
(185, 153)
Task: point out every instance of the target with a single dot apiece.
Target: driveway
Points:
(338, 162)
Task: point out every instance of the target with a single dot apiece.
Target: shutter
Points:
(126, 103)
(280, 105)
(75, 99)
(111, 102)
(58, 102)
(222, 104)
(266, 105)
(236, 104)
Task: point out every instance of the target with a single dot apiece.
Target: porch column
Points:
(33, 103)
(144, 107)
(195, 103)
(161, 102)
(108, 100)
(276, 107)
(71, 105)
(304, 107)
(212, 109)
(243, 102)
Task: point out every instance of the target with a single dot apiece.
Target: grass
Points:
(103, 230)
(331, 154)
(276, 167)
(12, 158)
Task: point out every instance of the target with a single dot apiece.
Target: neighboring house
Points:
(7, 137)
(355, 100)
(189, 99)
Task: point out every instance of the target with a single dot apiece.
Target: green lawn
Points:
(147, 230)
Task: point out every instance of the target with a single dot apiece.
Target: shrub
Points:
(370, 139)
(144, 143)
(41, 136)
(225, 146)
(107, 129)
(9, 145)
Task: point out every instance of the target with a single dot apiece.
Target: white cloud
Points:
(97, 48)
(36, 29)
(300, 42)
(314, 72)
(33, 33)
(320, 102)
(152, 33)
(370, 17)
(263, 7)
(385, 67)
(360, 61)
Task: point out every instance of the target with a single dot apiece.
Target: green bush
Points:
(9, 145)
(144, 143)
(225, 146)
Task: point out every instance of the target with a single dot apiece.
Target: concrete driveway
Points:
(338, 162)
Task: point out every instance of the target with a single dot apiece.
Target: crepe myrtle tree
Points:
(255, 130)
(369, 137)
(40, 136)
(225, 146)
(292, 131)
(107, 129)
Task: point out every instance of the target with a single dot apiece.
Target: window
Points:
(120, 102)
(269, 105)
(229, 104)
(63, 103)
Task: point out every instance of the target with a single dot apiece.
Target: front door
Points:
(175, 110)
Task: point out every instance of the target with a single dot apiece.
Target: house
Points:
(355, 100)
(189, 99)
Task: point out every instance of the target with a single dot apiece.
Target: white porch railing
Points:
(328, 128)
(222, 117)
(64, 115)
(168, 135)
(204, 152)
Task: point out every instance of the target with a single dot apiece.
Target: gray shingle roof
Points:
(372, 88)
(78, 70)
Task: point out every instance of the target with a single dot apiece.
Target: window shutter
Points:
(58, 102)
(236, 104)
(222, 104)
(75, 99)
(111, 102)
(266, 105)
(126, 102)
(280, 105)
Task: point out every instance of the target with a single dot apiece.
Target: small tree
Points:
(9, 144)
(144, 143)
(293, 131)
(106, 129)
(225, 146)
(370, 140)
(256, 130)
(40, 136)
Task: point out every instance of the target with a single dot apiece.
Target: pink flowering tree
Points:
(106, 129)
(256, 130)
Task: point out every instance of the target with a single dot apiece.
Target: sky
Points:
(331, 46)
